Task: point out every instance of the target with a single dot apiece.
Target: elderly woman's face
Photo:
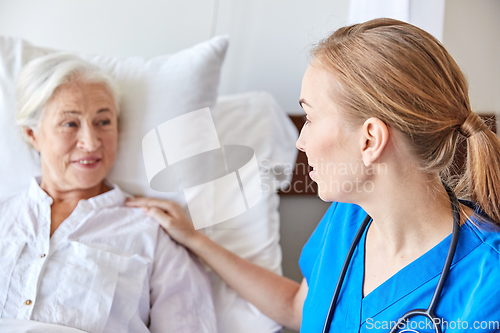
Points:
(77, 137)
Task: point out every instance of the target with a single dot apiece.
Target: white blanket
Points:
(30, 326)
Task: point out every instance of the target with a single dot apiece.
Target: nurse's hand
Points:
(170, 216)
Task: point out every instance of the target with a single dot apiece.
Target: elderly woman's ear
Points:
(30, 135)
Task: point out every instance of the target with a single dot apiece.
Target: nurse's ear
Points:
(374, 138)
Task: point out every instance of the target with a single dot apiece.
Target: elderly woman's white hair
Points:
(40, 78)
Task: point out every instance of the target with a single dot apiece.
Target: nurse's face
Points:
(332, 146)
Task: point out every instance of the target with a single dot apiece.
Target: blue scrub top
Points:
(470, 299)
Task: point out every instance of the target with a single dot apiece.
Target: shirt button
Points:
(43, 255)
(28, 302)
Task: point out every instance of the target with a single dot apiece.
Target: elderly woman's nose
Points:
(89, 139)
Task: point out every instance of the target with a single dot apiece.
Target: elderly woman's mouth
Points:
(87, 162)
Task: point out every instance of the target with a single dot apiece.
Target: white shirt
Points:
(106, 268)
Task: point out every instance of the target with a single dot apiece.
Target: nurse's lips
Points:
(311, 173)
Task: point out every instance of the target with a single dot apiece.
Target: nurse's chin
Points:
(335, 196)
(329, 197)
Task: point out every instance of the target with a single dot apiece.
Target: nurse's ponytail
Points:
(402, 75)
(481, 179)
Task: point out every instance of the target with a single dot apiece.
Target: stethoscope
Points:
(429, 312)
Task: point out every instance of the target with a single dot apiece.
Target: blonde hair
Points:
(41, 77)
(402, 75)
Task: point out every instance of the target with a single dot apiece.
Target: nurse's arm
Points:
(278, 297)
(274, 295)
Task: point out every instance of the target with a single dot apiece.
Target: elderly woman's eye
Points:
(70, 124)
(105, 122)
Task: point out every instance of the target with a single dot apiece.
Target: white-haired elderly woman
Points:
(76, 255)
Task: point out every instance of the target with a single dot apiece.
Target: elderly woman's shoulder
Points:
(13, 200)
(134, 216)
(13, 208)
(132, 231)
(129, 220)
(124, 216)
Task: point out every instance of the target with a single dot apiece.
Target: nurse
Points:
(386, 105)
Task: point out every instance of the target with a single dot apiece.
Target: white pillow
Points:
(153, 91)
(253, 119)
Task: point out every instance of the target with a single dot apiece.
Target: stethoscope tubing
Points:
(430, 311)
(331, 310)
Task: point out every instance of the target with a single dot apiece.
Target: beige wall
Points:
(471, 35)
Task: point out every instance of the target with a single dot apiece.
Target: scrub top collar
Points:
(411, 277)
(414, 275)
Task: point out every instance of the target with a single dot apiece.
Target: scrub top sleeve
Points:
(313, 246)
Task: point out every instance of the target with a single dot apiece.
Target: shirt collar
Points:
(113, 197)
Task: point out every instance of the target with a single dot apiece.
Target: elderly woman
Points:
(71, 253)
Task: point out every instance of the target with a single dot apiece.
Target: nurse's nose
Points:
(301, 141)
(89, 139)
